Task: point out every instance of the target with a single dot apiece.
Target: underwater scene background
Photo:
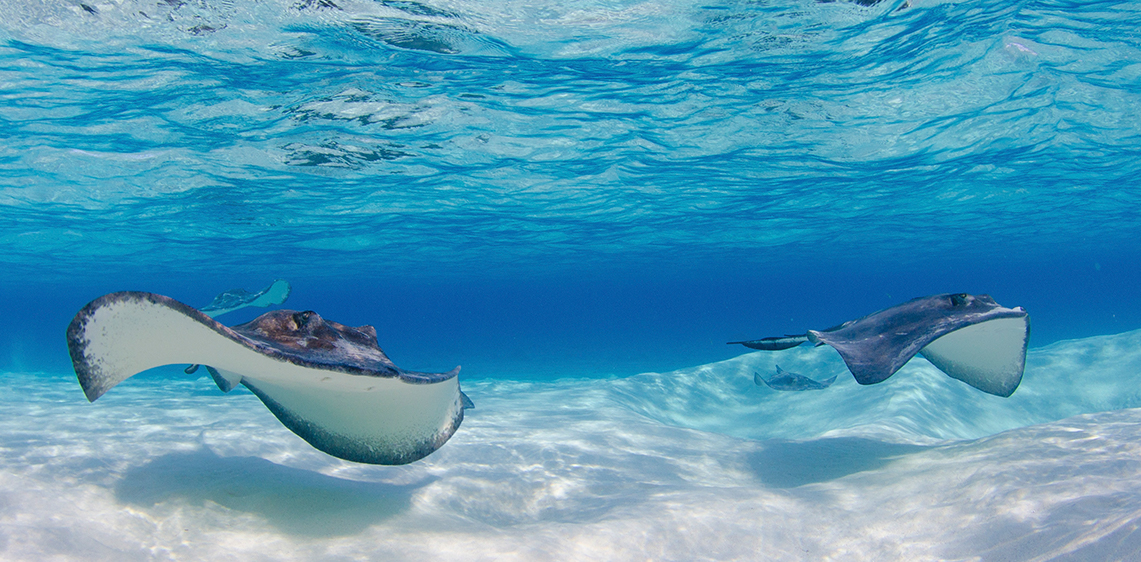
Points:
(580, 203)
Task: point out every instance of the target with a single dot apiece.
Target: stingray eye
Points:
(301, 319)
(959, 299)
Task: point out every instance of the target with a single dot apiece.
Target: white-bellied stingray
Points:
(969, 337)
(784, 380)
(235, 299)
(329, 383)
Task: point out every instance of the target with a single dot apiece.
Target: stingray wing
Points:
(872, 358)
(989, 356)
(385, 416)
(827, 382)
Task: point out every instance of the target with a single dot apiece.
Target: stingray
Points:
(235, 299)
(784, 380)
(969, 337)
(329, 383)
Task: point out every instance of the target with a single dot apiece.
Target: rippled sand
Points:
(697, 464)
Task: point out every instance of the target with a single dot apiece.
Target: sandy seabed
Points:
(696, 464)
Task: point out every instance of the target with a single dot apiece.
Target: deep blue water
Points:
(583, 189)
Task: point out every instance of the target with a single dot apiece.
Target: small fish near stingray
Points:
(969, 337)
(786, 381)
(329, 383)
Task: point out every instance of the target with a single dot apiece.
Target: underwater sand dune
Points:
(697, 464)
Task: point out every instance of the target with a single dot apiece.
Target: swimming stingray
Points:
(969, 337)
(236, 299)
(785, 380)
(329, 383)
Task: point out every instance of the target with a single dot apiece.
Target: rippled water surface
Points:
(524, 136)
(712, 168)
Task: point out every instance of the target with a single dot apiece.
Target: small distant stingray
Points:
(236, 299)
(329, 383)
(785, 380)
(969, 337)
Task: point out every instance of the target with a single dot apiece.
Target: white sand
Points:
(698, 464)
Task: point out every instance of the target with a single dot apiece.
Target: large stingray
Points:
(969, 337)
(329, 383)
(784, 380)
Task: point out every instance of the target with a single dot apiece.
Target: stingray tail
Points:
(774, 343)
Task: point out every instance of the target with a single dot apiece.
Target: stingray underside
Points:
(989, 356)
(363, 410)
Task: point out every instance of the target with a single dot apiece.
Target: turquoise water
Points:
(581, 191)
(515, 186)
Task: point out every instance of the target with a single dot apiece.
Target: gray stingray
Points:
(784, 380)
(968, 337)
(236, 299)
(329, 383)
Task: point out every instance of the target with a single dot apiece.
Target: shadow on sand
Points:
(788, 464)
(295, 501)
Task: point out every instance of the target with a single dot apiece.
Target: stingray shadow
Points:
(295, 501)
(788, 464)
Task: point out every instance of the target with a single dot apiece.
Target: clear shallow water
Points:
(680, 174)
(588, 190)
